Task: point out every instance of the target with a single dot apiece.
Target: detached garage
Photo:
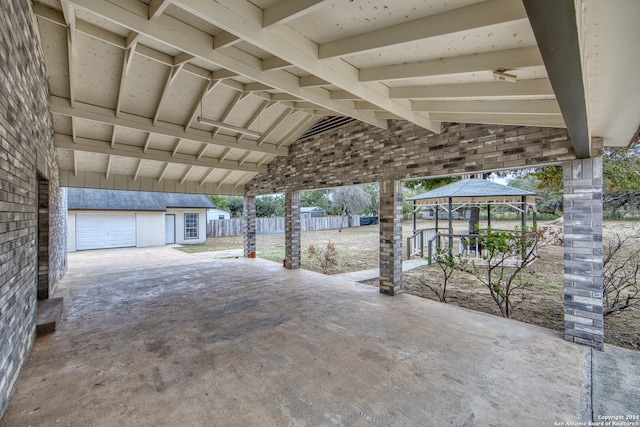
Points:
(105, 219)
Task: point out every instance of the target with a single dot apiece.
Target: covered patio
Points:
(159, 337)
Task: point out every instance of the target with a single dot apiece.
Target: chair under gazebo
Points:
(456, 197)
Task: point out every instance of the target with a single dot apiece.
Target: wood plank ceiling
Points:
(129, 79)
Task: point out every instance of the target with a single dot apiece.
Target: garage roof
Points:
(129, 79)
(120, 200)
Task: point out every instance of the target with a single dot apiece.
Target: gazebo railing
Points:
(418, 241)
(465, 245)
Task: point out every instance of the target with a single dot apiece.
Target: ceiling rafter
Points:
(243, 181)
(147, 142)
(263, 160)
(267, 133)
(186, 174)
(189, 40)
(225, 39)
(244, 157)
(342, 95)
(171, 78)
(74, 129)
(206, 90)
(526, 88)
(113, 136)
(74, 154)
(296, 131)
(546, 120)
(109, 163)
(157, 8)
(488, 61)
(279, 41)
(102, 147)
(517, 106)
(287, 10)
(138, 169)
(230, 106)
(274, 63)
(224, 178)
(69, 14)
(129, 53)
(475, 16)
(104, 115)
(163, 172)
(206, 176)
(176, 147)
(261, 108)
(225, 154)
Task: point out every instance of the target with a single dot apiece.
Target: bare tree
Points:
(621, 267)
(350, 201)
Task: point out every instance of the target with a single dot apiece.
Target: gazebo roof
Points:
(474, 191)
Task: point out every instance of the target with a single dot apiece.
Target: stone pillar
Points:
(583, 269)
(391, 237)
(292, 229)
(249, 211)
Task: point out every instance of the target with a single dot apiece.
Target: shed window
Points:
(191, 226)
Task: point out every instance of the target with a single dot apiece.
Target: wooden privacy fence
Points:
(235, 227)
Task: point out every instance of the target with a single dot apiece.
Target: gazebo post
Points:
(524, 212)
(488, 215)
(450, 225)
(436, 213)
(414, 217)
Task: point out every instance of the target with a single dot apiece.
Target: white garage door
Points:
(103, 231)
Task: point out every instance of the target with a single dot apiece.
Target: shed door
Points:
(105, 230)
(169, 229)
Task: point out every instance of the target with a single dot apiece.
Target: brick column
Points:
(292, 229)
(583, 269)
(391, 237)
(249, 211)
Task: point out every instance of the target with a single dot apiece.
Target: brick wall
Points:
(26, 151)
(583, 267)
(359, 153)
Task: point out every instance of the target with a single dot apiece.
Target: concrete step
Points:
(48, 314)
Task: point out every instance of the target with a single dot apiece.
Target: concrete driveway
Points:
(156, 337)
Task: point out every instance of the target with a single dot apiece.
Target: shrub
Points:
(327, 257)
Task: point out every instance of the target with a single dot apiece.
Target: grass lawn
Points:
(540, 304)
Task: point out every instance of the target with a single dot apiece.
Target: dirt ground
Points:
(541, 304)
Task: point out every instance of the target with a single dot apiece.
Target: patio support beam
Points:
(583, 270)
(249, 210)
(292, 229)
(391, 237)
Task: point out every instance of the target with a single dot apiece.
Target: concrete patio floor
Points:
(159, 337)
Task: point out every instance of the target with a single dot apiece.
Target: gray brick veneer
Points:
(249, 210)
(26, 150)
(583, 270)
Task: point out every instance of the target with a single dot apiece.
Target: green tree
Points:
(233, 204)
(236, 206)
(270, 206)
(551, 195)
(319, 198)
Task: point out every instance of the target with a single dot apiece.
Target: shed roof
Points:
(311, 209)
(474, 191)
(119, 200)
